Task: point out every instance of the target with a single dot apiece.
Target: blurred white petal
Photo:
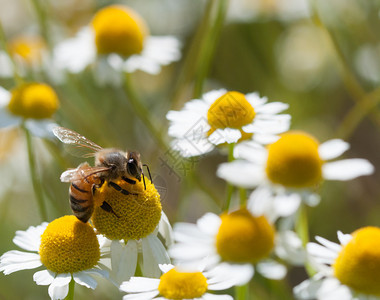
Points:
(332, 149)
(241, 173)
(347, 169)
(85, 280)
(140, 284)
(271, 269)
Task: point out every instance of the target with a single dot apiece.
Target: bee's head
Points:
(134, 167)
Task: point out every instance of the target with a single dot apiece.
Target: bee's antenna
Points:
(150, 176)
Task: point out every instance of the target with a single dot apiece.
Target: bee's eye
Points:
(132, 167)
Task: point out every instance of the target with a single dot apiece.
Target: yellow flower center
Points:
(118, 29)
(232, 110)
(69, 245)
(33, 100)
(358, 264)
(138, 213)
(182, 285)
(244, 238)
(28, 48)
(293, 160)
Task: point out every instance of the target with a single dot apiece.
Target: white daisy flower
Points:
(135, 231)
(345, 271)
(181, 283)
(66, 247)
(289, 169)
(31, 103)
(239, 241)
(116, 41)
(221, 117)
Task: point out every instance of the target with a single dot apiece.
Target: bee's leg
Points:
(119, 188)
(108, 208)
(97, 186)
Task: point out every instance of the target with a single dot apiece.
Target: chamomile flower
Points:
(348, 270)
(134, 231)
(116, 41)
(66, 247)
(289, 169)
(181, 283)
(238, 240)
(221, 117)
(31, 103)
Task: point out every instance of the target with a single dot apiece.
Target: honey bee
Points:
(110, 164)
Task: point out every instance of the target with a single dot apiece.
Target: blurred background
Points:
(322, 58)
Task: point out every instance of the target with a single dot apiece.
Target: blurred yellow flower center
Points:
(138, 213)
(358, 263)
(232, 110)
(69, 245)
(33, 100)
(244, 238)
(118, 29)
(29, 48)
(182, 285)
(293, 160)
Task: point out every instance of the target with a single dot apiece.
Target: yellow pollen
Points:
(293, 160)
(232, 110)
(358, 263)
(69, 245)
(29, 48)
(244, 238)
(33, 100)
(138, 213)
(182, 285)
(119, 29)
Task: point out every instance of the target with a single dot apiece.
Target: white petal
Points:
(211, 96)
(319, 251)
(307, 289)
(289, 248)
(209, 223)
(287, 204)
(140, 284)
(142, 296)
(154, 253)
(227, 135)
(328, 244)
(123, 260)
(241, 173)
(190, 252)
(226, 275)
(347, 169)
(76, 53)
(251, 151)
(208, 296)
(332, 289)
(102, 273)
(84, 279)
(5, 97)
(7, 119)
(272, 108)
(14, 260)
(188, 147)
(165, 267)
(6, 70)
(189, 233)
(255, 100)
(44, 277)
(41, 128)
(60, 286)
(271, 269)
(165, 229)
(344, 238)
(332, 149)
(265, 139)
(31, 238)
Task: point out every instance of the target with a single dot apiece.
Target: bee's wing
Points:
(80, 145)
(83, 171)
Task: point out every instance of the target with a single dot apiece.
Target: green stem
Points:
(243, 196)
(3, 44)
(302, 229)
(230, 187)
(42, 21)
(209, 42)
(70, 295)
(143, 113)
(242, 292)
(33, 173)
